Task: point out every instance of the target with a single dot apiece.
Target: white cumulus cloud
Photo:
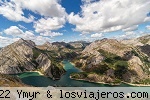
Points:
(13, 30)
(89, 1)
(97, 35)
(17, 33)
(48, 24)
(148, 27)
(110, 15)
(22, 27)
(51, 34)
(48, 8)
(40, 40)
(13, 9)
(135, 27)
(4, 41)
(130, 35)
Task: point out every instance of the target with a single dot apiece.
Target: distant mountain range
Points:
(107, 60)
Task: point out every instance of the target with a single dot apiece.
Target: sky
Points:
(72, 20)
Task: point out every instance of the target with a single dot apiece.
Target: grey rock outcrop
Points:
(23, 56)
(111, 59)
(15, 56)
(48, 46)
(110, 45)
(79, 44)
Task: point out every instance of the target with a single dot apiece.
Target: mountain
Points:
(47, 46)
(108, 60)
(110, 45)
(137, 41)
(112, 61)
(79, 44)
(144, 39)
(23, 56)
(62, 45)
(145, 49)
(10, 81)
(63, 50)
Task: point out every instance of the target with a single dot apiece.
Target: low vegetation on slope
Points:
(144, 58)
(23, 55)
(144, 39)
(10, 81)
(101, 63)
(106, 60)
(112, 62)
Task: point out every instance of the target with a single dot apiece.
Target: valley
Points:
(108, 61)
(35, 79)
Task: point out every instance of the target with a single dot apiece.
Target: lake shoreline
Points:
(71, 64)
(109, 83)
(76, 67)
(136, 84)
(95, 82)
(139, 85)
(37, 72)
(69, 81)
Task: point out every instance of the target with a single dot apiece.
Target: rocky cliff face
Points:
(95, 52)
(48, 67)
(15, 56)
(106, 60)
(24, 56)
(145, 49)
(112, 61)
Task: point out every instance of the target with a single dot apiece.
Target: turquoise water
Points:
(34, 79)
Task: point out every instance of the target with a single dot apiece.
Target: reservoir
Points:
(35, 79)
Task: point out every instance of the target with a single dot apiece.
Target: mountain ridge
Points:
(112, 61)
(106, 60)
(23, 56)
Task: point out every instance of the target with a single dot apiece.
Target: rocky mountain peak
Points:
(23, 55)
(110, 45)
(21, 41)
(47, 43)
